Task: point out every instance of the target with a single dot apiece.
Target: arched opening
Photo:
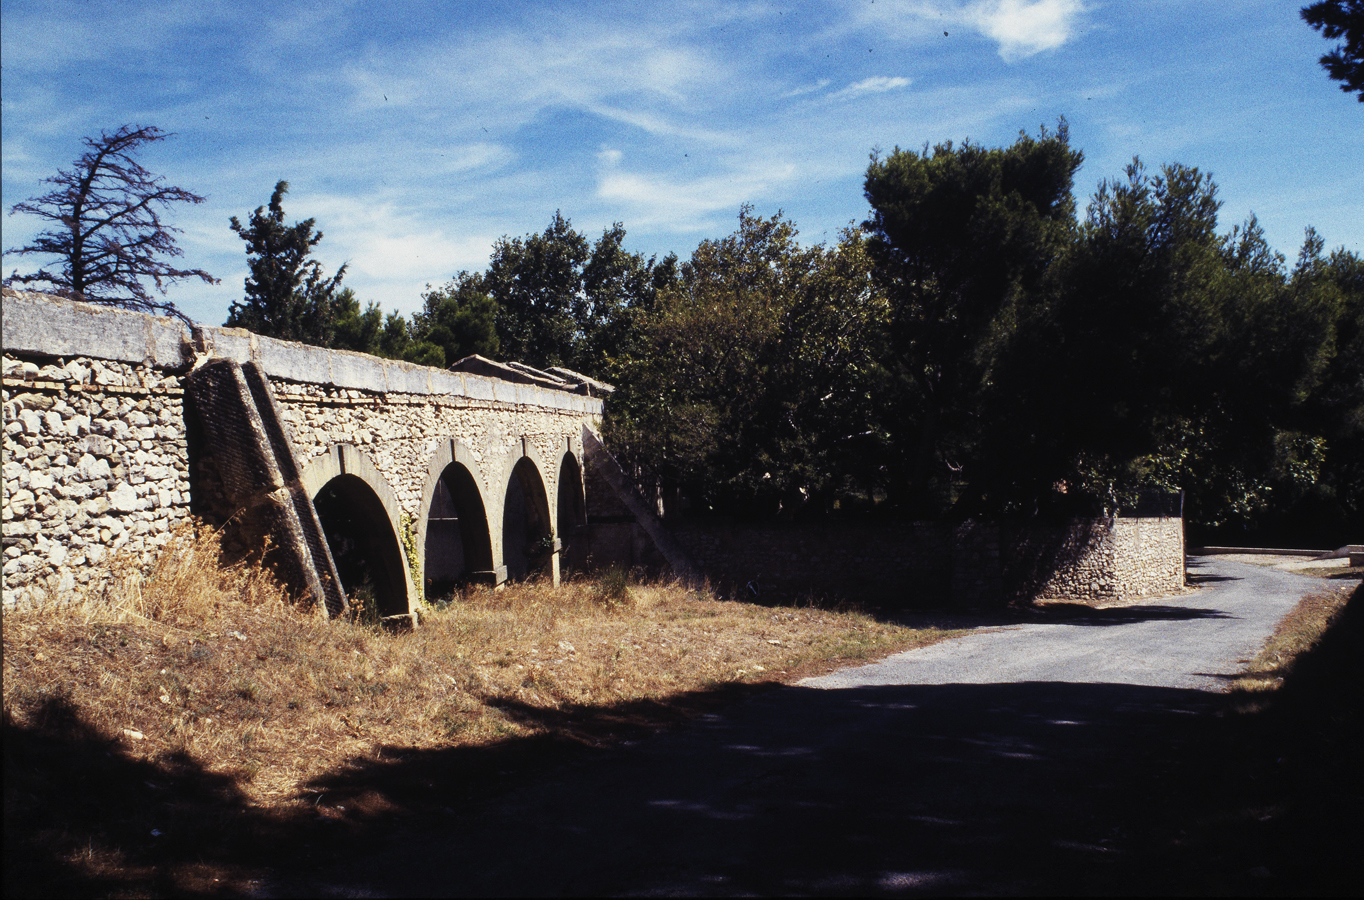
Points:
(572, 515)
(369, 560)
(527, 539)
(458, 549)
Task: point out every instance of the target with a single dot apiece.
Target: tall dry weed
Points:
(185, 583)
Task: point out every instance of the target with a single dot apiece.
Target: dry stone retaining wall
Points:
(930, 563)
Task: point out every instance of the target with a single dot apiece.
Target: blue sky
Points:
(418, 133)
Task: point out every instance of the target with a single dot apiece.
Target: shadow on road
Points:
(1004, 788)
(998, 788)
(1194, 576)
(1082, 614)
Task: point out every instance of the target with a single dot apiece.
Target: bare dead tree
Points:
(106, 229)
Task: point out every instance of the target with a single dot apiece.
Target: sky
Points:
(417, 134)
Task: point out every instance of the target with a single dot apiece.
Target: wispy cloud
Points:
(806, 89)
(878, 84)
(687, 203)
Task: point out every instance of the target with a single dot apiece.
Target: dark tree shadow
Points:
(82, 818)
(957, 788)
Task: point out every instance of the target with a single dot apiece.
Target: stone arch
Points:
(570, 513)
(528, 542)
(361, 519)
(453, 533)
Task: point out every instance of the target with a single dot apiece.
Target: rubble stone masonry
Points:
(95, 461)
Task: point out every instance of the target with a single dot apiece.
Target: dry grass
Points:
(1295, 636)
(209, 672)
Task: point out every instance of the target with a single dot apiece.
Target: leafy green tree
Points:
(1341, 19)
(617, 287)
(564, 301)
(107, 234)
(287, 294)
(356, 330)
(1180, 357)
(749, 383)
(1334, 504)
(964, 239)
(537, 283)
(459, 319)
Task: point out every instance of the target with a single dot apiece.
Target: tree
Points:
(1341, 19)
(537, 283)
(354, 329)
(287, 295)
(458, 319)
(964, 239)
(748, 382)
(1178, 357)
(107, 232)
(562, 301)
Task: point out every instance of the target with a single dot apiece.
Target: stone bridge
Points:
(385, 478)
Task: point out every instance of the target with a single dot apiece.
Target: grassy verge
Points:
(188, 728)
(1273, 804)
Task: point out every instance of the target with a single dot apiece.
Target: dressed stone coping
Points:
(52, 326)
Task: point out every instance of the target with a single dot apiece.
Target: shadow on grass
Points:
(1302, 801)
(890, 789)
(956, 788)
(82, 818)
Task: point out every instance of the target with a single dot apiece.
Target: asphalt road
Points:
(1026, 758)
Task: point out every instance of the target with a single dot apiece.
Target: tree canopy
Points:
(107, 234)
(562, 300)
(977, 347)
(287, 294)
(749, 384)
(1341, 19)
(964, 240)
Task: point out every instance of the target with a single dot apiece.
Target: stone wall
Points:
(1148, 556)
(936, 563)
(95, 460)
(903, 564)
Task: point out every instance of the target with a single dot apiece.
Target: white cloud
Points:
(806, 89)
(1021, 28)
(878, 84)
(1024, 28)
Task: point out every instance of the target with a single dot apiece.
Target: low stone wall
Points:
(935, 563)
(907, 564)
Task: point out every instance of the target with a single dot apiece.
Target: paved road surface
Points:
(1004, 762)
